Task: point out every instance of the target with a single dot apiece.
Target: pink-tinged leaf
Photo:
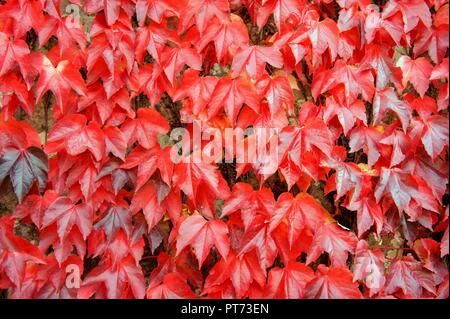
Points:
(334, 240)
(429, 253)
(403, 187)
(332, 283)
(288, 282)
(387, 99)
(65, 214)
(72, 134)
(202, 235)
(123, 281)
(231, 94)
(412, 12)
(173, 286)
(444, 244)
(324, 35)
(417, 72)
(61, 80)
(174, 59)
(252, 60)
(347, 113)
(278, 93)
(406, 274)
(299, 212)
(115, 142)
(242, 271)
(367, 139)
(434, 40)
(258, 237)
(354, 79)
(145, 128)
(369, 267)
(368, 213)
(378, 59)
(435, 135)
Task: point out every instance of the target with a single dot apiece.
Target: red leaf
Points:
(429, 253)
(369, 267)
(35, 207)
(434, 41)
(148, 161)
(15, 252)
(298, 213)
(417, 72)
(332, 239)
(114, 219)
(367, 139)
(156, 10)
(289, 282)
(124, 280)
(174, 59)
(202, 235)
(240, 270)
(65, 214)
(173, 287)
(115, 141)
(231, 94)
(412, 11)
(145, 128)
(407, 275)
(277, 91)
(387, 99)
(61, 80)
(332, 283)
(227, 35)
(248, 201)
(13, 51)
(258, 237)
(252, 60)
(435, 135)
(72, 134)
(324, 35)
(368, 213)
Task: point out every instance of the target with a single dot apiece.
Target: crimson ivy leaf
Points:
(406, 274)
(387, 99)
(332, 283)
(252, 60)
(202, 235)
(240, 270)
(417, 72)
(369, 267)
(173, 286)
(65, 214)
(337, 242)
(289, 282)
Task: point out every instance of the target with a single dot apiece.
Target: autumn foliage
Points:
(357, 206)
